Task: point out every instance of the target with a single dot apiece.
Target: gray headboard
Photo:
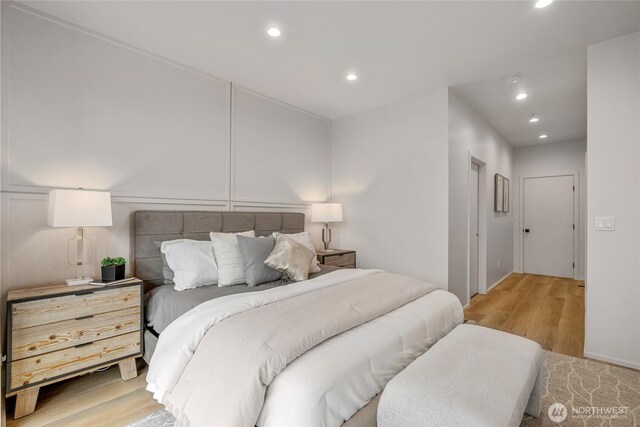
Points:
(150, 226)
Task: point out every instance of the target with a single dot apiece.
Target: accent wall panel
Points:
(81, 110)
(281, 154)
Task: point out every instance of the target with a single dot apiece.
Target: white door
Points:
(473, 229)
(548, 226)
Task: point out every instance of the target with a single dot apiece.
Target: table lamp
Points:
(326, 212)
(78, 209)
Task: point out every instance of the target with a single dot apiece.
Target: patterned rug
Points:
(578, 392)
(590, 394)
(160, 418)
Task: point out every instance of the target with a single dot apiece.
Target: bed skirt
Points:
(150, 342)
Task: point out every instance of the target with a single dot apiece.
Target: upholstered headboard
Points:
(157, 226)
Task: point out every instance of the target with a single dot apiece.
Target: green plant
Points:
(108, 261)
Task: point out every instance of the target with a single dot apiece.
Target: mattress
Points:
(164, 304)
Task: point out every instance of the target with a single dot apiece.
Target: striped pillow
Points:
(229, 258)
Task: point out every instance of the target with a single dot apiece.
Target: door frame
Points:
(576, 215)
(482, 224)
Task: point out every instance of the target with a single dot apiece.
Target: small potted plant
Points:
(113, 268)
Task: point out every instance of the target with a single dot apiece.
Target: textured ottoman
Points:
(474, 376)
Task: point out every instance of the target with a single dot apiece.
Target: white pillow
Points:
(228, 257)
(192, 263)
(304, 239)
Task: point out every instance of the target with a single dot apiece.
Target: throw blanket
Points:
(226, 379)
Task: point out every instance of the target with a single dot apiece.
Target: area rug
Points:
(160, 418)
(582, 392)
(578, 392)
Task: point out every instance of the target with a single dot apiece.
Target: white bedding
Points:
(329, 383)
(180, 339)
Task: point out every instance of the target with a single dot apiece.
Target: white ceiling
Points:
(396, 48)
(557, 90)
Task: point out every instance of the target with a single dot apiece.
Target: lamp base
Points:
(326, 236)
(79, 282)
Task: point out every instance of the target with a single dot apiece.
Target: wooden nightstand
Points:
(337, 258)
(55, 332)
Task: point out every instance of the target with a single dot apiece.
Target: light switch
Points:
(605, 223)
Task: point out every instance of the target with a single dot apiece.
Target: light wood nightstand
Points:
(337, 258)
(55, 332)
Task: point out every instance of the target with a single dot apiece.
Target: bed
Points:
(348, 332)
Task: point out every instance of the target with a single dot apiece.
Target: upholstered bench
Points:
(474, 376)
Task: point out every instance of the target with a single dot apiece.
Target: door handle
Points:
(526, 230)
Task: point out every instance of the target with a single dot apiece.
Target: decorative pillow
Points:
(291, 258)
(192, 263)
(228, 257)
(255, 251)
(304, 239)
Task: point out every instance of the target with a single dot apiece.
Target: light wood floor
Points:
(96, 400)
(548, 310)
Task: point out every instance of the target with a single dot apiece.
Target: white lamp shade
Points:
(79, 208)
(326, 212)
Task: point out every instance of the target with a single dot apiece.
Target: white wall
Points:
(470, 135)
(389, 169)
(86, 112)
(613, 165)
(82, 110)
(562, 158)
(280, 153)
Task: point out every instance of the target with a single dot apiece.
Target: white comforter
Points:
(180, 339)
(328, 384)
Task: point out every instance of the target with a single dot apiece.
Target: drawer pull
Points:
(83, 293)
(82, 345)
(84, 317)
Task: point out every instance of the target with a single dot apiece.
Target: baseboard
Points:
(632, 365)
(575, 278)
(499, 281)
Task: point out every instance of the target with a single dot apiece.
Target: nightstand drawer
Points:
(69, 333)
(345, 260)
(59, 363)
(69, 307)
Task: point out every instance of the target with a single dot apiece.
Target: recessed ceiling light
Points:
(543, 136)
(274, 32)
(521, 96)
(352, 77)
(543, 3)
(533, 119)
